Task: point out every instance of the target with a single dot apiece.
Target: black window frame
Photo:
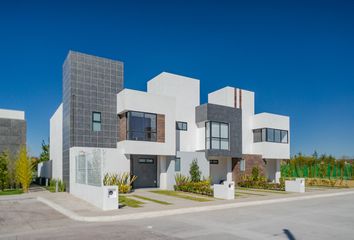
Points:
(265, 137)
(96, 121)
(220, 139)
(152, 132)
(184, 126)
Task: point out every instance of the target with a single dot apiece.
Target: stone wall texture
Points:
(251, 161)
(12, 135)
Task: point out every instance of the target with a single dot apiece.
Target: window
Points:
(213, 161)
(242, 165)
(177, 164)
(257, 135)
(217, 135)
(181, 126)
(270, 135)
(284, 136)
(141, 126)
(96, 121)
(146, 160)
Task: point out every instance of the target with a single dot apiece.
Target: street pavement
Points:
(320, 218)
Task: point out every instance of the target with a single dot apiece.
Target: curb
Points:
(135, 216)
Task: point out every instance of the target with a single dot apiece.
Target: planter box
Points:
(225, 190)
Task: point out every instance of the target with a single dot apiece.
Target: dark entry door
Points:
(145, 168)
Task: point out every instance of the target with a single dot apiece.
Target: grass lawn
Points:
(152, 200)
(261, 190)
(181, 195)
(11, 192)
(124, 200)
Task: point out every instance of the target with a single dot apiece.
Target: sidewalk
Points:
(80, 210)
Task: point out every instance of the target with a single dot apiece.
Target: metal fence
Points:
(89, 168)
(318, 170)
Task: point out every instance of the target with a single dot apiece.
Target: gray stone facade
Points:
(90, 84)
(12, 135)
(219, 113)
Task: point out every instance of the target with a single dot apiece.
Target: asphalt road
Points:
(323, 218)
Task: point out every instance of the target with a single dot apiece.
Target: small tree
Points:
(4, 173)
(24, 169)
(45, 152)
(194, 171)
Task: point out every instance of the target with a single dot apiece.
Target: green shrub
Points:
(4, 173)
(194, 171)
(185, 184)
(260, 182)
(124, 181)
(201, 187)
(52, 185)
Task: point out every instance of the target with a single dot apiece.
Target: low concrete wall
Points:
(97, 196)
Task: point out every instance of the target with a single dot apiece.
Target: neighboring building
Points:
(12, 130)
(103, 127)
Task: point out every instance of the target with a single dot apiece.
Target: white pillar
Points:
(277, 170)
(229, 170)
(163, 172)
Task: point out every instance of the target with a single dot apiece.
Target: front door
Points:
(145, 168)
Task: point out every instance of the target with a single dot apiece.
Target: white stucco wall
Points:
(247, 106)
(224, 96)
(186, 92)
(270, 149)
(12, 114)
(56, 143)
(132, 100)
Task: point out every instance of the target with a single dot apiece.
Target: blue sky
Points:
(298, 56)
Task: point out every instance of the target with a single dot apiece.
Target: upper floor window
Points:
(141, 126)
(217, 135)
(181, 126)
(270, 135)
(96, 121)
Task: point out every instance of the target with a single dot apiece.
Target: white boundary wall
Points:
(56, 143)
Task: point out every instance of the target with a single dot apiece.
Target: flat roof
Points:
(12, 114)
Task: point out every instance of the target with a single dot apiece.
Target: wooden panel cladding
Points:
(160, 128)
(122, 131)
(237, 98)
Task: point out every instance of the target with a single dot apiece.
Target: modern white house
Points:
(101, 127)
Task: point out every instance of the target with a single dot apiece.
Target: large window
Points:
(217, 135)
(270, 135)
(141, 126)
(96, 121)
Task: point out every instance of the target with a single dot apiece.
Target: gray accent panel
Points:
(90, 84)
(12, 135)
(219, 113)
(146, 172)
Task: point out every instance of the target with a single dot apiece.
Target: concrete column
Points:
(163, 172)
(277, 170)
(229, 170)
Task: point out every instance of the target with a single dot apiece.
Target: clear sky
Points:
(298, 56)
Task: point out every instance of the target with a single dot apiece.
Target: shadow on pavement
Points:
(289, 234)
